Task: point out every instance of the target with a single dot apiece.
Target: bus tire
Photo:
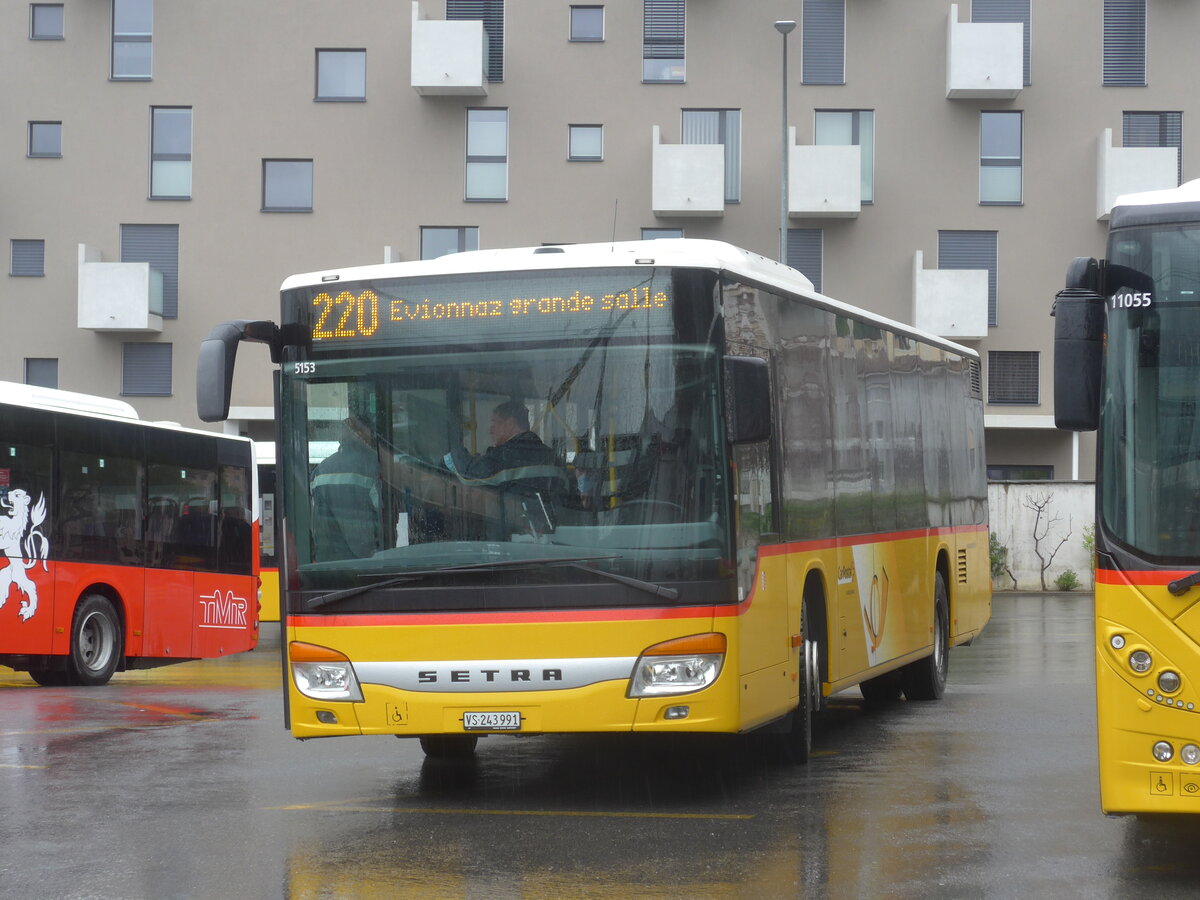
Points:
(95, 641)
(50, 677)
(925, 679)
(800, 735)
(883, 689)
(449, 746)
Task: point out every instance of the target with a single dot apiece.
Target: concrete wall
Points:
(1070, 509)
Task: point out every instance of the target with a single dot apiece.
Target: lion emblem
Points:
(23, 545)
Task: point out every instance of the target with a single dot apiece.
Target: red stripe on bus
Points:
(1139, 576)
(514, 617)
(860, 539)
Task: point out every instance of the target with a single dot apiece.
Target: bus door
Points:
(26, 499)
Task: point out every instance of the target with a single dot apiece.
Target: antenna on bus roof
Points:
(613, 249)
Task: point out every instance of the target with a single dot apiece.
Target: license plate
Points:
(492, 721)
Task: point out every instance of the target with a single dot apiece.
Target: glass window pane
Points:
(487, 181)
(287, 184)
(45, 138)
(587, 23)
(487, 132)
(133, 16)
(131, 59)
(1000, 184)
(587, 142)
(1000, 135)
(47, 21)
(171, 178)
(341, 74)
(172, 131)
(834, 128)
(41, 371)
(439, 241)
(866, 145)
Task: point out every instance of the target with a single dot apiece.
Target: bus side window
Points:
(234, 534)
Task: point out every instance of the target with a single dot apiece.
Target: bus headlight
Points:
(322, 673)
(1163, 751)
(1140, 661)
(681, 666)
(1168, 681)
(1190, 754)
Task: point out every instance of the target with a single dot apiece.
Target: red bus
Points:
(124, 544)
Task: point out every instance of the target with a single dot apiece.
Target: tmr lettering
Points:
(488, 676)
(223, 610)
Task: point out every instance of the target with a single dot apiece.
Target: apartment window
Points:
(805, 247)
(851, 127)
(46, 21)
(45, 139)
(437, 240)
(27, 258)
(719, 126)
(146, 370)
(971, 250)
(587, 23)
(341, 75)
(132, 38)
(491, 13)
(287, 185)
(823, 42)
(170, 152)
(1125, 42)
(1000, 157)
(1020, 473)
(585, 142)
(1005, 11)
(487, 154)
(655, 234)
(41, 371)
(663, 24)
(1155, 129)
(1013, 377)
(157, 245)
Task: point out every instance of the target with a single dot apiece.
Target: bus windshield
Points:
(530, 465)
(1151, 450)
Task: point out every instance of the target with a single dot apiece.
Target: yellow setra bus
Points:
(1127, 362)
(656, 486)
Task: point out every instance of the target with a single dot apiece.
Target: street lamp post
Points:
(784, 27)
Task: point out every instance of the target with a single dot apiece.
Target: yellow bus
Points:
(1127, 362)
(653, 486)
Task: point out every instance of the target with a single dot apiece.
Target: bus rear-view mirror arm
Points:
(218, 352)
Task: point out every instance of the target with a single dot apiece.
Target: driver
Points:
(514, 445)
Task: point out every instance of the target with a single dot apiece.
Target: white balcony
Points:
(952, 303)
(824, 181)
(448, 58)
(118, 296)
(687, 179)
(984, 60)
(1131, 170)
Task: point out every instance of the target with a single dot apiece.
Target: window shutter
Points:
(971, 250)
(28, 258)
(491, 13)
(1155, 129)
(804, 246)
(663, 29)
(823, 55)
(1125, 42)
(146, 370)
(159, 246)
(1013, 376)
(1005, 11)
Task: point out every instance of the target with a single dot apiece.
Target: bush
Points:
(998, 554)
(1067, 581)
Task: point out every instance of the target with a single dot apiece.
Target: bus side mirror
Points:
(747, 399)
(214, 366)
(1079, 319)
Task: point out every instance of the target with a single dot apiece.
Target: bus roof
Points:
(69, 401)
(672, 252)
(1188, 192)
(1179, 205)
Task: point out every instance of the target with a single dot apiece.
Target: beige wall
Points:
(385, 167)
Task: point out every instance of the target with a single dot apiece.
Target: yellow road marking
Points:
(334, 806)
(15, 766)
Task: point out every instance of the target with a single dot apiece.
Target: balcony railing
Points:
(984, 60)
(824, 181)
(118, 296)
(952, 303)
(687, 179)
(1131, 170)
(448, 57)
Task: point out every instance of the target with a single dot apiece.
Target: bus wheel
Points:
(95, 641)
(926, 678)
(799, 737)
(449, 746)
(50, 677)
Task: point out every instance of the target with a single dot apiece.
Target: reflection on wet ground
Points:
(201, 793)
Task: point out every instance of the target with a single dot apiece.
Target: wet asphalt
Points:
(182, 782)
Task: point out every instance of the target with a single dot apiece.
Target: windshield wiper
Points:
(419, 574)
(1180, 586)
(648, 586)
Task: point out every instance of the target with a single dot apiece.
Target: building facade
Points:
(168, 164)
